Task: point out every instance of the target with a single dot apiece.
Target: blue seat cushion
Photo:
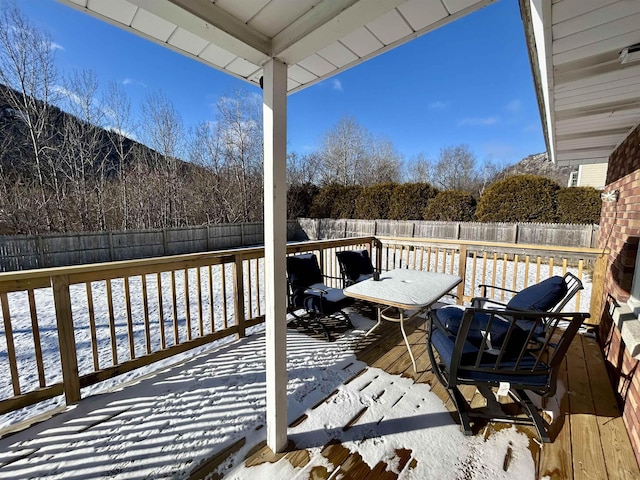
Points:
(355, 263)
(540, 297)
(487, 371)
(320, 298)
(451, 318)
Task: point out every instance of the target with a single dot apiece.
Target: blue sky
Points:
(467, 82)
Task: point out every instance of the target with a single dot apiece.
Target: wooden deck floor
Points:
(591, 440)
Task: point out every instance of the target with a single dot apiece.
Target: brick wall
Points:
(619, 231)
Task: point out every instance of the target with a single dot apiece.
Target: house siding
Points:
(592, 175)
(619, 232)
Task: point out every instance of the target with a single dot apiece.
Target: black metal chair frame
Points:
(526, 361)
(315, 299)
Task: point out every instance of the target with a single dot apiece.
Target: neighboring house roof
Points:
(315, 38)
(589, 98)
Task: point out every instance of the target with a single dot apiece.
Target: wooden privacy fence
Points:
(23, 252)
(69, 328)
(555, 234)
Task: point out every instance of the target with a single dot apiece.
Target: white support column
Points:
(275, 241)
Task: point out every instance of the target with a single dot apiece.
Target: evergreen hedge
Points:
(300, 199)
(335, 201)
(519, 198)
(409, 200)
(374, 201)
(579, 205)
(451, 206)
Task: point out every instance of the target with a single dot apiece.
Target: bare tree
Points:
(164, 132)
(419, 169)
(350, 155)
(382, 164)
(303, 169)
(121, 125)
(84, 150)
(27, 68)
(456, 169)
(239, 126)
(208, 153)
(343, 152)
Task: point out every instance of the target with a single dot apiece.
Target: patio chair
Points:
(308, 292)
(509, 353)
(355, 266)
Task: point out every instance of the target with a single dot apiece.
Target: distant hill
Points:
(539, 164)
(16, 151)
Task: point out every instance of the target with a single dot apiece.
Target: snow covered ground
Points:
(162, 426)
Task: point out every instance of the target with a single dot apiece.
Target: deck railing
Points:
(69, 328)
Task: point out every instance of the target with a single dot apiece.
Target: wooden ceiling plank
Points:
(317, 65)
(214, 24)
(119, 11)
(600, 90)
(599, 34)
(389, 27)
(613, 44)
(595, 19)
(630, 97)
(600, 134)
(631, 71)
(362, 42)
(154, 26)
(243, 10)
(216, 55)
(187, 41)
(455, 6)
(241, 67)
(279, 14)
(563, 11)
(325, 24)
(338, 54)
(418, 16)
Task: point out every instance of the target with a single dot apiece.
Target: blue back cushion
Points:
(355, 263)
(303, 270)
(541, 296)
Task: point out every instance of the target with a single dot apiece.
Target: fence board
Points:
(26, 252)
(566, 235)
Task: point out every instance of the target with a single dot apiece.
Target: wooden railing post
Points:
(597, 288)
(462, 273)
(238, 282)
(66, 338)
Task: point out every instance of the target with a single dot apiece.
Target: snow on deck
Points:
(168, 423)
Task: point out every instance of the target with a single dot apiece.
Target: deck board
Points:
(588, 456)
(618, 454)
(555, 460)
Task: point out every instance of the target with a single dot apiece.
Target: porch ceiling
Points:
(315, 38)
(591, 100)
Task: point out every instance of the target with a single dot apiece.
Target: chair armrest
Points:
(485, 286)
(482, 302)
(316, 290)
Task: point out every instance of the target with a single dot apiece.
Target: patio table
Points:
(407, 291)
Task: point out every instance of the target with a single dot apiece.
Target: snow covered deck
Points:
(356, 410)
